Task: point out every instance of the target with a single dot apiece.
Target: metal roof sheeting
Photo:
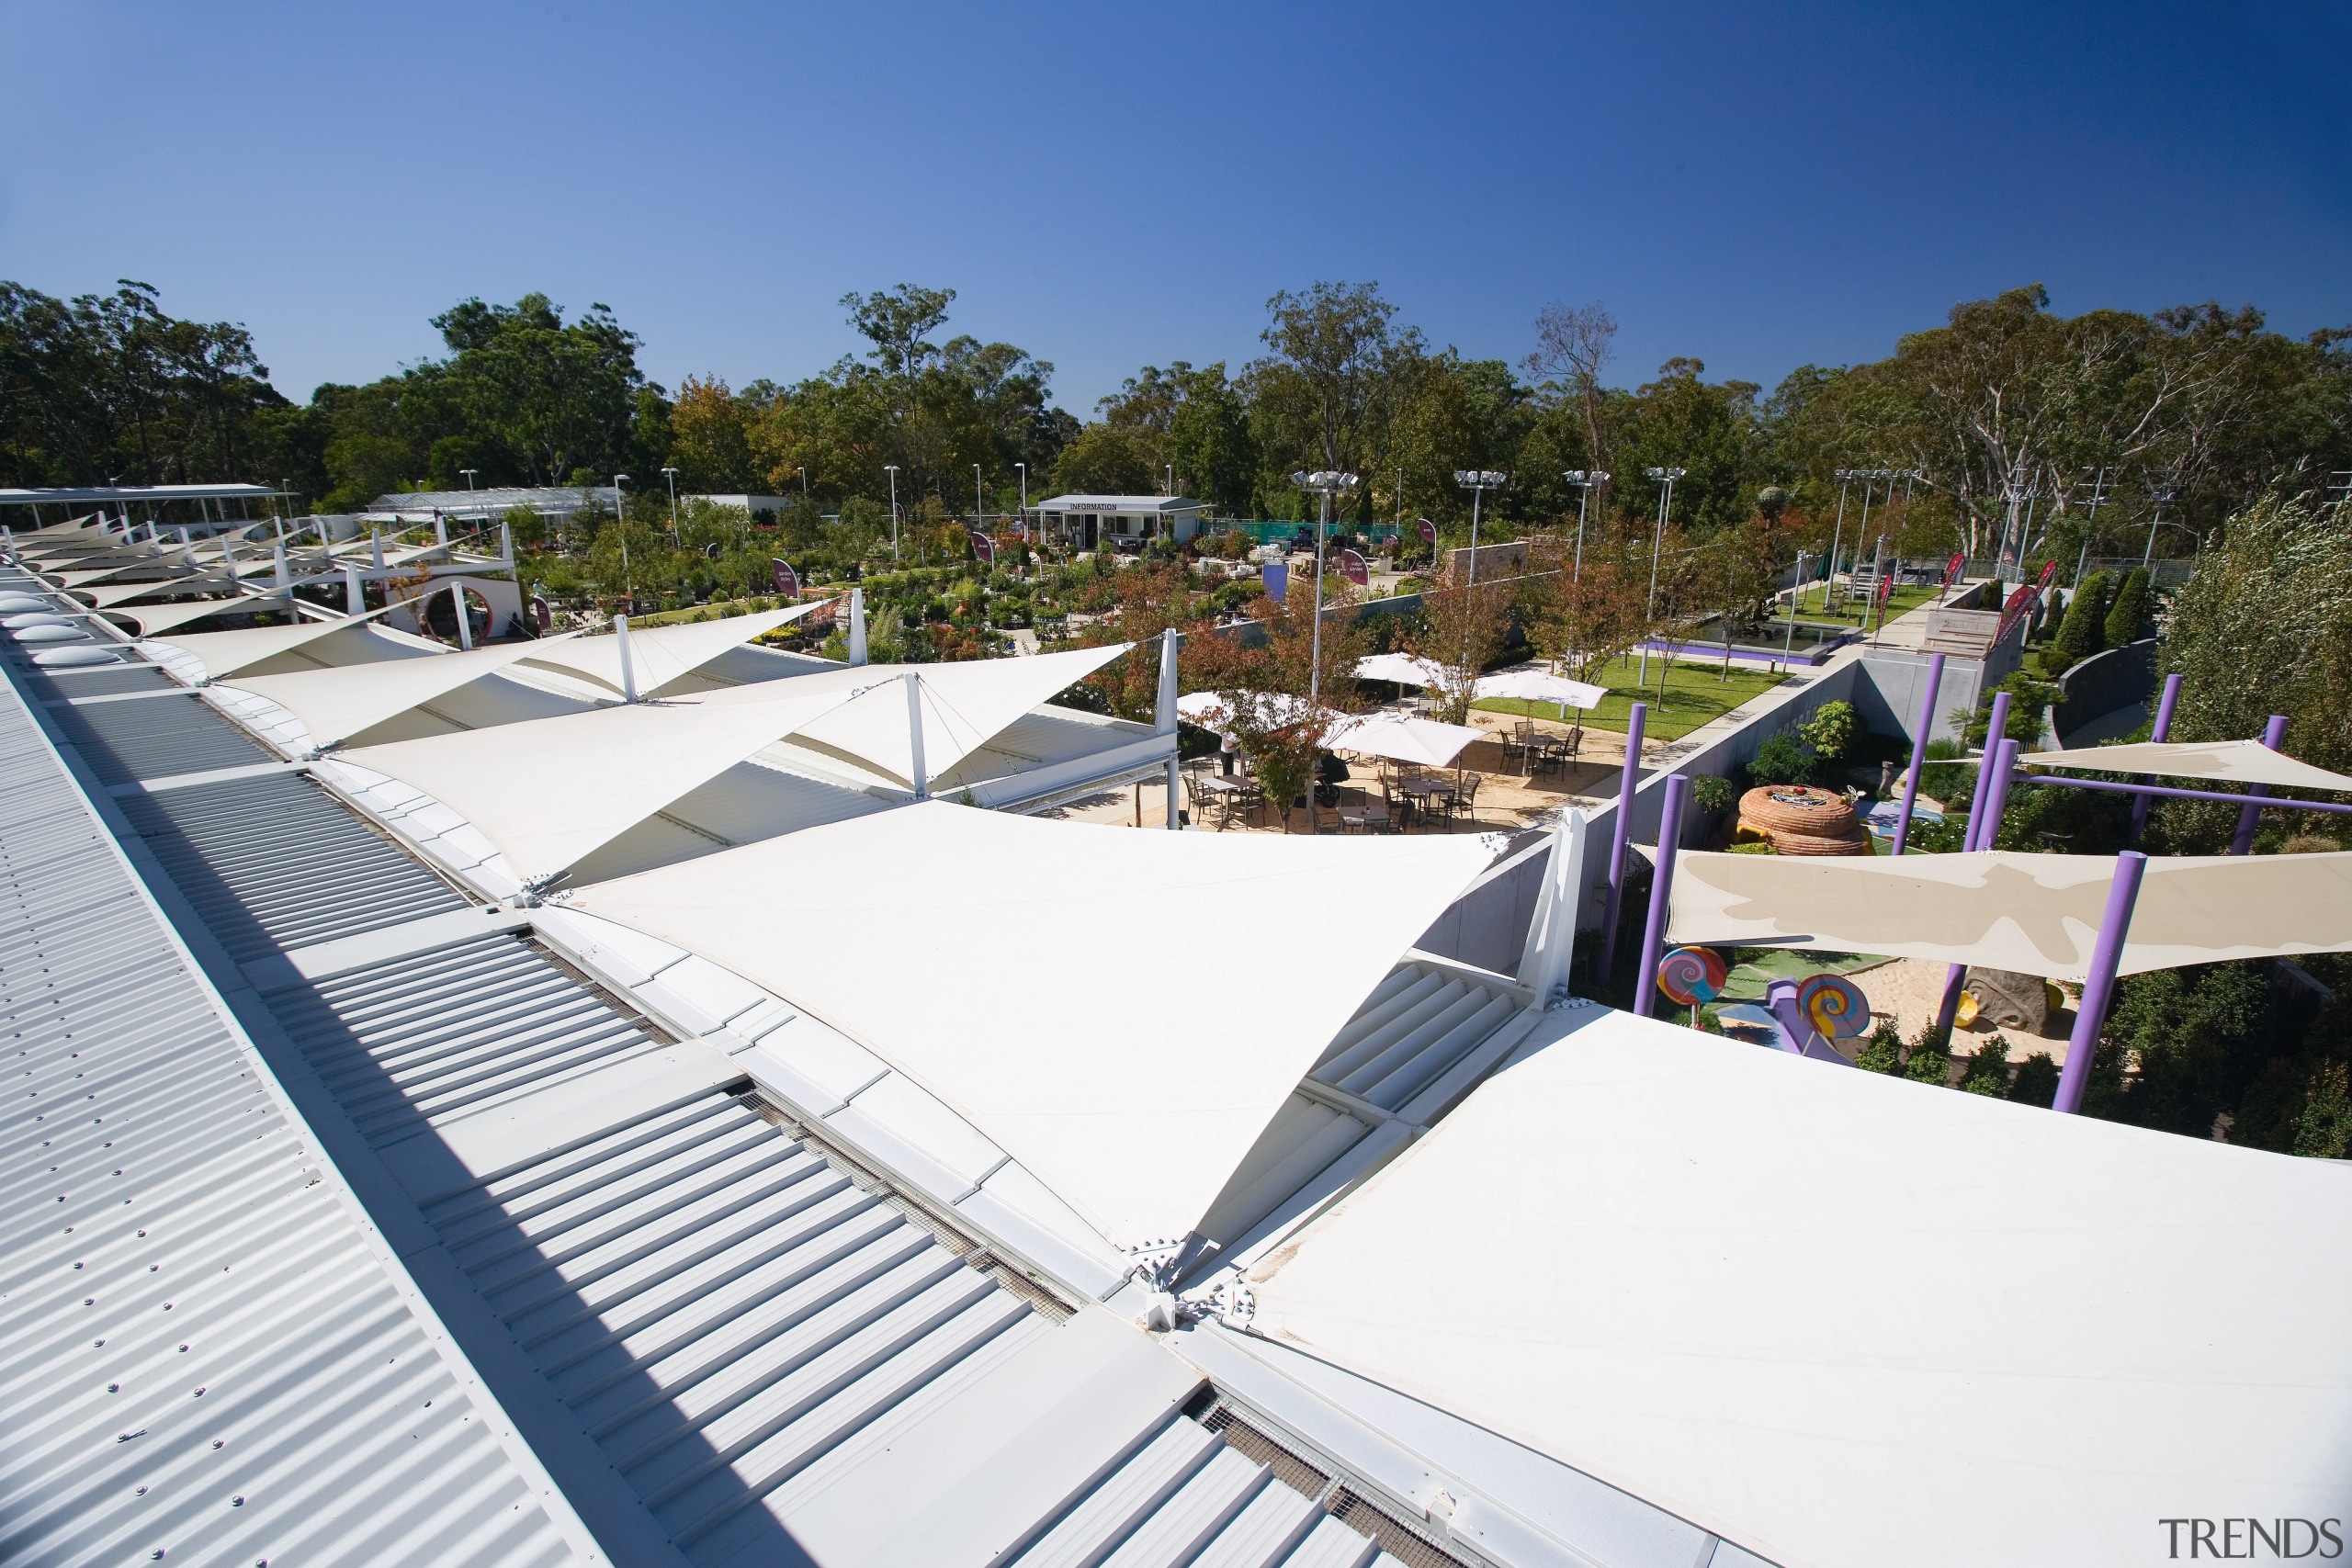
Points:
(200, 1355)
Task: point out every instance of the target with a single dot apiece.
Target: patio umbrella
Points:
(1402, 668)
(1423, 740)
(1540, 686)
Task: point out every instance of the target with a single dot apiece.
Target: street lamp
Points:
(1478, 482)
(629, 579)
(892, 469)
(1665, 512)
(2162, 494)
(1172, 480)
(1584, 479)
(1326, 483)
(672, 475)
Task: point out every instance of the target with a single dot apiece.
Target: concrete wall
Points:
(2104, 682)
(1890, 682)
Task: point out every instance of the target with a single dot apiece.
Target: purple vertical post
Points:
(1919, 751)
(2164, 704)
(2273, 734)
(1619, 838)
(1780, 1001)
(1670, 839)
(2098, 986)
(1983, 831)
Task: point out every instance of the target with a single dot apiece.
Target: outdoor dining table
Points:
(1421, 792)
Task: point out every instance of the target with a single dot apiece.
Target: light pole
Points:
(2161, 494)
(1584, 479)
(892, 469)
(1023, 469)
(470, 474)
(980, 506)
(672, 475)
(1478, 482)
(1837, 538)
(1789, 639)
(1664, 511)
(1172, 480)
(1325, 482)
(629, 578)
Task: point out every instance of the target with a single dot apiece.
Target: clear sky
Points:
(1107, 187)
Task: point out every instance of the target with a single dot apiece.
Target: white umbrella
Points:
(1540, 686)
(1423, 740)
(1402, 668)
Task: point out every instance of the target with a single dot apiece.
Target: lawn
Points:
(1852, 612)
(1695, 693)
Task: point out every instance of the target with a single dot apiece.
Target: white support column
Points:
(440, 530)
(857, 625)
(465, 621)
(507, 544)
(1164, 716)
(284, 580)
(914, 736)
(629, 665)
(1551, 934)
(355, 601)
(376, 543)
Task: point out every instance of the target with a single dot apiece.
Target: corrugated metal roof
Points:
(158, 738)
(200, 1354)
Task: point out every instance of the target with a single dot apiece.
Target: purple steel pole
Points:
(1669, 836)
(2098, 986)
(1984, 824)
(1620, 836)
(2273, 734)
(1918, 752)
(2164, 704)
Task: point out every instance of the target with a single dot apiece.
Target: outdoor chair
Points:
(1206, 802)
(1463, 802)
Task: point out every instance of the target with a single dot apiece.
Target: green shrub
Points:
(2084, 631)
(1711, 793)
(1883, 1052)
(1832, 730)
(2037, 1080)
(1930, 1057)
(1988, 1070)
(1781, 759)
(1760, 847)
(2130, 609)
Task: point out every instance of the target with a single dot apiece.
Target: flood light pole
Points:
(672, 475)
(1584, 479)
(1324, 483)
(892, 469)
(1665, 512)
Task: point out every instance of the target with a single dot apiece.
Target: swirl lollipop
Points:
(1835, 1006)
(1691, 975)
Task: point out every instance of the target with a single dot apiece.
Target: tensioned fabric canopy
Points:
(155, 619)
(107, 595)
(548, 792)
(965, 705)
(1120, 1077)
(1539, 686)
(2032, 913)
(661, 654)
(2237, 762)
(356, 640)
(335, 705)
(1678, 1264)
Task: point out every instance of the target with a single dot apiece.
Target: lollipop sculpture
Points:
(1835, 1006)
(1691, 975)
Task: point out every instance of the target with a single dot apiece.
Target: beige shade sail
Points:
(2234, 761)
(1997, 909)
(107, 595)
(661, 654)
(548, 792)
(338, 703)
(1124, 1074)
(155, 619)
(965, 705)
(356, 639)
(1844, 1320)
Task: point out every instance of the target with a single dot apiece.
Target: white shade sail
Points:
(155, 619)
(353, 640)
(963, 704)
(662, 655)
(1119, 1074)
(1539, 686)
(2234, 761)
(549, 792)
(1679, 1264)
(107, 594)
(1404, 739)
(1402, 668)
(336, 705)
(1997, 909)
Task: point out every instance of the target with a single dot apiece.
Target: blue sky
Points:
(1108, 187)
